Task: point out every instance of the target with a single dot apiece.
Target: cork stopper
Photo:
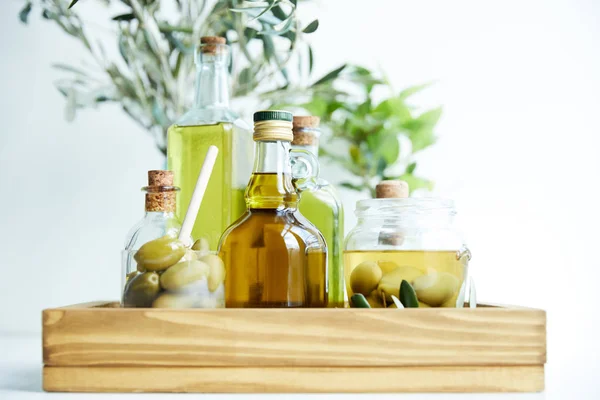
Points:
(211, 44)
(392, 189)
(160, 178)
(306, 130)
(160, 192)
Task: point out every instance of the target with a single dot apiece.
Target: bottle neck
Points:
(271, 184)
(159, 215)
(212, 82)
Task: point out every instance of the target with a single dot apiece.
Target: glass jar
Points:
(412, 239)
(159, 270)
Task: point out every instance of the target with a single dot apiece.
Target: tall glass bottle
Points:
(273, 256)
(323, 208)
(211, 122)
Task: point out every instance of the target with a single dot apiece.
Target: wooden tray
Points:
(99, 347)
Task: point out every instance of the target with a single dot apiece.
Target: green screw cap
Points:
(273, 115)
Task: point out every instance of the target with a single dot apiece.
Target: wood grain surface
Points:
(294, 379)
(103, 336)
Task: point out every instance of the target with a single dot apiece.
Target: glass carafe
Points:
(273, 256)
(412, 239)
(323, 207)
(211, 122)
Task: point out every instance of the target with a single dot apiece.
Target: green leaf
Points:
(329, 76)
(72, 4)
(24, 13)
(351, 186)
(408, 297)
(279, 13)
(389, 149)
(124, 17)
(313, 26)
(69, 68)
(317, 106)
(268, 47)
(411, 167)
(406, 93)
(420, 129)
(310, 60)
(393, 106)
(250, 33)
(358, 300)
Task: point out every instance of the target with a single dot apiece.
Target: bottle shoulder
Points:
(211, 116)
(260, 228)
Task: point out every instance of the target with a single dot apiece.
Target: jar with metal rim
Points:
(413, 239)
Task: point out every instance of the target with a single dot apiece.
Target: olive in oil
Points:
(437, 276)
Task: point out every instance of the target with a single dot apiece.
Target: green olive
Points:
(374, 299)
(435, 287)
(451, 302)
(130, 275)
(216, 274)
(172, 300)
(141, 290)
(201, 245)
(160, 254)
(423, 305)
(357, 300)
(365, 277)
(387, 266)
(183, 273)
(390, 282)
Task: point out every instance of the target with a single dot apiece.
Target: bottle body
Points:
(211, 122)
(406, 239)
(273, 256)
(159, 270)
(322, 207)
(223, 202)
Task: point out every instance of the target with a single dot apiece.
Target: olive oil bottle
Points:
(323, 208)
(273, 256)
(211, 122)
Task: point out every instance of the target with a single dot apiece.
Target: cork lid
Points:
(392, 189)
(305, 129)
(160, 192)
(160, 178)
(212, 44)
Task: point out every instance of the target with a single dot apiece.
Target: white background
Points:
(518, 151)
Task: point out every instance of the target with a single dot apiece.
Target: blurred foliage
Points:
(152, 76)
(154, 73)
(364, 136)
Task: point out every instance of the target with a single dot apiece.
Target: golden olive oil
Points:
(413, 264)
(272, 258)
(223, 202)
(323, 209)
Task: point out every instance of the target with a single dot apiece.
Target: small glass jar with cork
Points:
(161, 269)
(397, 239)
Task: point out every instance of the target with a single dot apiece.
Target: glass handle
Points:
(305, 170)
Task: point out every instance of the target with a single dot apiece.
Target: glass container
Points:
(412, 239)
(211, 122)
(158, 269)
(274, 257)
(322, 207)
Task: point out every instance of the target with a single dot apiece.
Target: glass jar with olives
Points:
(406, 239)
(158, 269)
